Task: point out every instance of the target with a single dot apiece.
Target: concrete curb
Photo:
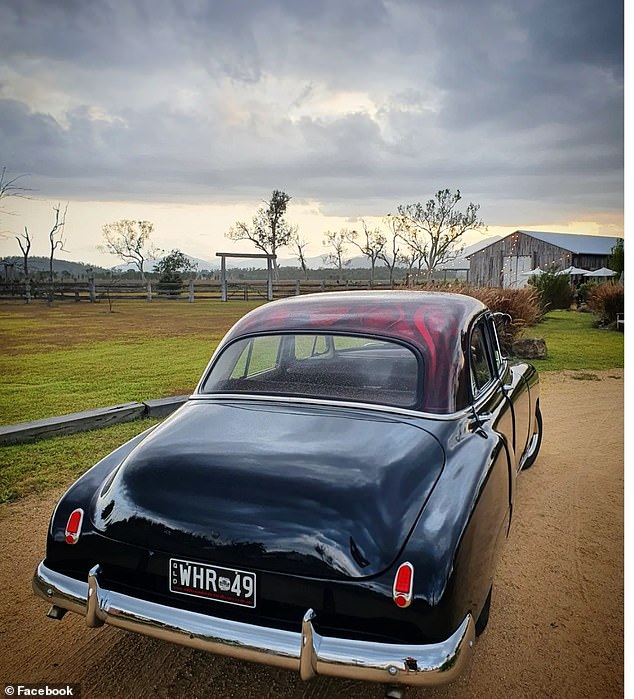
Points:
(25, 432)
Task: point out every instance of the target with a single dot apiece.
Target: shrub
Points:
(584, 289)
(555, 291)
(606, 300)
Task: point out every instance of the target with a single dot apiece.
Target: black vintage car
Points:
(332, 499)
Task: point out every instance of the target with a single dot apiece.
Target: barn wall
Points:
(487, 264)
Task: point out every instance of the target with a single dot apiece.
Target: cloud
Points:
(358, 104)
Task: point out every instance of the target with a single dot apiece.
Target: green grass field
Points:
(573, 343)
(72, 357)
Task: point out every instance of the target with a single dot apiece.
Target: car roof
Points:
(434, 322)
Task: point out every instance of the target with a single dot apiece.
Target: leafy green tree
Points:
(171, 270)
(173, 266)
(617, 259)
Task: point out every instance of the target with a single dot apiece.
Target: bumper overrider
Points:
(307, 651)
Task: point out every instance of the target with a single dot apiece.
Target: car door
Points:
(513, 378)
(493, 421)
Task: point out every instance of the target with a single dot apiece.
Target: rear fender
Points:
(85, 489)
(459, 536)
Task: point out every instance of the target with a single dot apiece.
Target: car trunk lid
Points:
(293, 488)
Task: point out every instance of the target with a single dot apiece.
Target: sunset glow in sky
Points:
(190, 114)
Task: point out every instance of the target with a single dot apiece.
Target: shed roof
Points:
(577, 243)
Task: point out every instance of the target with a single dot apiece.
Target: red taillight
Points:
(403, 585)
(73, 526)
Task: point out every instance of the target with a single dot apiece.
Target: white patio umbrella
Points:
(533, 272)
(603, 272)
(572, 271)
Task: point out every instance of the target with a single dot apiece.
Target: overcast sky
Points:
(190, 113)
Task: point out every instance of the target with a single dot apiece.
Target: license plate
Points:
(212, 582)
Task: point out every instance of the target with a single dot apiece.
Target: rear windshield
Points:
(342, 367)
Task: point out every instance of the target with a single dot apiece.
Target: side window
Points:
(258, 356)
(307, 346)
(498, 357)
(479, 360)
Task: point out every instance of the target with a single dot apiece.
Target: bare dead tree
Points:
(57, 241)
(371, 245)
(11, 187)
(130, 241)
(391, 253)
(409, 257)
(24, 241)
(299, 244)
(337, 240)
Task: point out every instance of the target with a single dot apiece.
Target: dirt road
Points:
(556, 627)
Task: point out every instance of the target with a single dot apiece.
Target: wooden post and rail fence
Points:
(95, 290)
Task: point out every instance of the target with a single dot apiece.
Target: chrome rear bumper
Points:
(307, 652)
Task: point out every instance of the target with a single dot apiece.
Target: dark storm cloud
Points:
(357, 103)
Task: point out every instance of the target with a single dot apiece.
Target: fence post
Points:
(91, 289)
(323, 285)
(223, 279)
(191, 291)
(298, 288)
(149, 292)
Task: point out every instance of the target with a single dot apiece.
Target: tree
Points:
(24, 241)
(56, 241)
(269, 230)
(372, 244)
(617, 259)
(434, 230)
(10, 187)
(171, 269)
(337, 241)
(299, 244)
(130, 241)
(390, 254)
(173, 266)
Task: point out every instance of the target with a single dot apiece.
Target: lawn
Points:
(71, 357)
(28, 468)
(573, 343)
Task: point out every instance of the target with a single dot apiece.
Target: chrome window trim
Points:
(404, 412)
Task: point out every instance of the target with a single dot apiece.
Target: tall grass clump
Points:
(606, 301)
(523, 305)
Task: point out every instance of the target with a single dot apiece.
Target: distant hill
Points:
(201, 265)
(40, 264)
(78, 270)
